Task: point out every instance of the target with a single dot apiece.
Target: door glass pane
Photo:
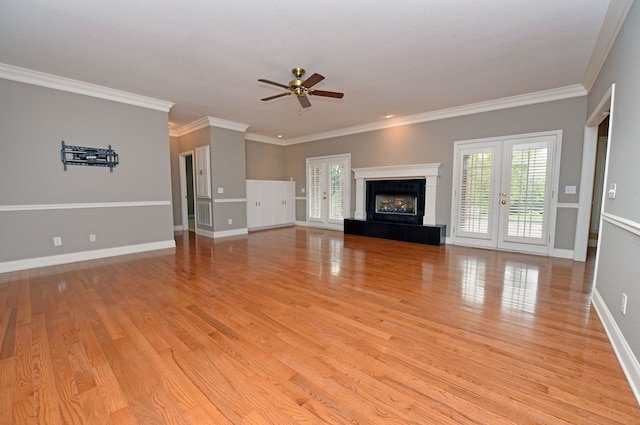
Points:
(315, 191)
(337, 190)
(475, 192)
(527, 192)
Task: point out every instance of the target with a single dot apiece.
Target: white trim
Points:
(227, 233)
(587, 173)
(561, 253)
(560, 93)
(178, 228)
(229, 200)
(302, 223)
(301, 198)
(229, 125)
(22, 75)
(206, 233)
(628, 361)
(613, 20)
(568, 205)
(623, 223)
(32, 263)
(206, 122)
(264, 139)
(40, 207)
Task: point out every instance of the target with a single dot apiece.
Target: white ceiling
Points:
(403, 57)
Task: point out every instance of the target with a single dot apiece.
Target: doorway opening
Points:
(598, 185)
(187, 191)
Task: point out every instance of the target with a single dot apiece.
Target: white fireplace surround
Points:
(430, 172)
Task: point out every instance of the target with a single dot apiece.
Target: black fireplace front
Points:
(397, 201)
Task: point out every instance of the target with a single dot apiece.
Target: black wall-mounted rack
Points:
(79, 155)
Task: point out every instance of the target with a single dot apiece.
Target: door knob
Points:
(503, 202)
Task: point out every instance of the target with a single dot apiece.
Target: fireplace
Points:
(396, 201)
(400, 184)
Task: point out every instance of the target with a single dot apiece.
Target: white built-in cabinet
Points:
(270, 203)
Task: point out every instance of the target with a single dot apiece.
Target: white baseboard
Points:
(301, 223)
(627, 360)
(562, 253)
(202, 232)
(32, 263)
(178, 228)
(227, 233)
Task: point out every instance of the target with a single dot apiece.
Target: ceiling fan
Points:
(302, 88)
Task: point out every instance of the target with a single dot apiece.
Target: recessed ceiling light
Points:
(388, 116)
(279, 136)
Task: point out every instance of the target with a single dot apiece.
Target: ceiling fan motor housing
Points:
(297, 87)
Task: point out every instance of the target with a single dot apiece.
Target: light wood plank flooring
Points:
(305, 326)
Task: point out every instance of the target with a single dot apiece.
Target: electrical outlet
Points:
(220, 190)
(230, 221)
(303, 190)
(92, 237)
(623, 305)
(57, 241)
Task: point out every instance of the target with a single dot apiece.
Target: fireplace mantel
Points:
(430, 172)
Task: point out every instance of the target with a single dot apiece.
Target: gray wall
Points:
(265, 161)
(618, 267)
(433, 142)
(228, 171)
(33, 122)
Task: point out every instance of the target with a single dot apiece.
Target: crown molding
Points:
(229, 125)
(560, 93)
(22, 75)
(616, 14)
(264, 139)
(205, 122)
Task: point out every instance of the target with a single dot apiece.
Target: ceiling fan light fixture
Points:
(387, 116)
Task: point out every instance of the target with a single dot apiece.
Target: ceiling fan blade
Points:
(262, 80)
(276, 96)
(304, 101)
(335, 94)
(313, 80)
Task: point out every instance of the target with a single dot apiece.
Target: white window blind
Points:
(314, 195)
(527, 192)
(475, 192)
(337, 191)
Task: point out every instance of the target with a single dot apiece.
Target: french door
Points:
(328, 190)
(504, 193)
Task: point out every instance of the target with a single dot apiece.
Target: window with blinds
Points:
(527, 192)
(475, 192)
(314, 197)
(337, 191)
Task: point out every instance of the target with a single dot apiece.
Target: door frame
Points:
(554, 184)
(183, 189)
(326, 224)
(590, 143)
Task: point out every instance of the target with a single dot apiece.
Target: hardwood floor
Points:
(305, 326)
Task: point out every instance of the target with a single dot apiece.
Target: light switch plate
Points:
(611, 193)
(220, 190)
(570, 190)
